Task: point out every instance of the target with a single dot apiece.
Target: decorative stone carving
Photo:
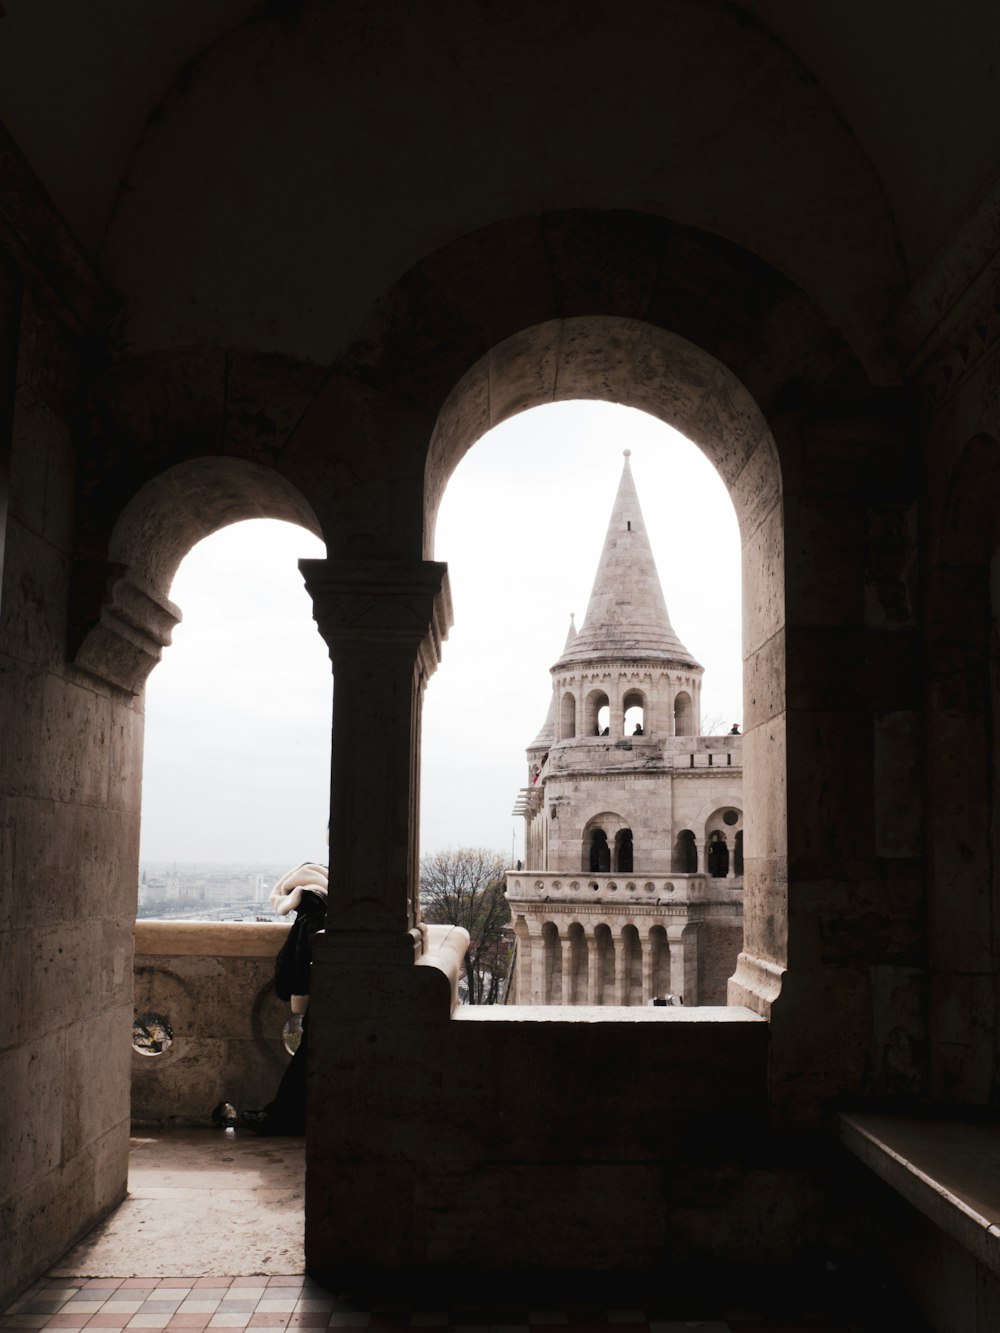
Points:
(136, 623)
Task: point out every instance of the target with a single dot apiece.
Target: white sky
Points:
(238, 712)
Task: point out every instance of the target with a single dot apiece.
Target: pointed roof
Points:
(626, 616)
(546, 737)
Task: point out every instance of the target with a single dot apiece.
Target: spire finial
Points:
(626, 453)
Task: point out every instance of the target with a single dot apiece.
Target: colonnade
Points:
(605, 964)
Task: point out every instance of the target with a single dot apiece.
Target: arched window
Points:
(634, 706)
(631, 966)
(567, 717)
(683, 715)
(718, 855)
(623, 851)
(600, 852)
(575, 986)
(685, 853)
(659, 961)
(598, 713)
(738, 854)
(605, 948)
(553, 963)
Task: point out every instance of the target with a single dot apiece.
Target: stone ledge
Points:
(217, 939)
(947, 1169)
(601, 1013)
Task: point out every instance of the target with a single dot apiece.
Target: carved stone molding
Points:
(135, 625)
(381, 605)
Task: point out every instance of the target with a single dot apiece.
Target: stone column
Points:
(537, 964)
(621, 967)
(682, 940)
(567, 969)
(616, 714)
(593, 979)
(647, 967)
(383, 621)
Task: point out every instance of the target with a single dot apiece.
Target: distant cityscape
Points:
(205, 891)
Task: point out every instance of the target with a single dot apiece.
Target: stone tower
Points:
(632, 883)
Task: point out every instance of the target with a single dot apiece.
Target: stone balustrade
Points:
(621, 892)
(209, 1025)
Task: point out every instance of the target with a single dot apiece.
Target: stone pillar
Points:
(383, 621)
(621, 967)
(593, 978)
(679, 962)
(537, 964)
(616, 714)
(647, 967)
(567, 969)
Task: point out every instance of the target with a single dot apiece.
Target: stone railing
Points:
(208, 1023)
(621, 890)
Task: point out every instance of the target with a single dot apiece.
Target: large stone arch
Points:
(632, 362)
(134, 618)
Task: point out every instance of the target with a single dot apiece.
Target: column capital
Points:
(381, 605)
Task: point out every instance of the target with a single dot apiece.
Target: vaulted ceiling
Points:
(258, 174)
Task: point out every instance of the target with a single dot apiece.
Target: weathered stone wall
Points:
(719, 945)
(70, 768)
(214, 984)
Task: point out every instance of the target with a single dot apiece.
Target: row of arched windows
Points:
(604, 854)
(717, 854)
(596, 715)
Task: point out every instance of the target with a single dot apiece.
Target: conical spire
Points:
(547, 735)
(626, 616)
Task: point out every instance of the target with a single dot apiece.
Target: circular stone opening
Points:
(291, 1034)
(151, 1034)
(730, 817)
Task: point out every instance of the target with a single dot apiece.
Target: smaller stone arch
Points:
(552, 954)
(596, 718)
(567, 716)
(631, 965)
(685, 855)
(634, 710)
(683, 714)
(575, 985)
(604, 947)
(121, 616)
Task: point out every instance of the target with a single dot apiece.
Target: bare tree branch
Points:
(464, 886)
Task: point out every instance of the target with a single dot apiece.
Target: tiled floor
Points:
(206, 1203)
(274, 1304)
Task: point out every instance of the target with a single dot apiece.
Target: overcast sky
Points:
(238, 712)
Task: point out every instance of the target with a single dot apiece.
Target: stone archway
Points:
(120, 637)
(630, 362)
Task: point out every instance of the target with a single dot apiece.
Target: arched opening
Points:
(736, 437)
(683, 714)
(578, 976)
(598, 716)
(686, 853)
(659, 970)
(738, 855)
(718, 855)
(623, 851)
(552, 953)
(598, 852)
(634, 707)
(567, 717)
(604, 946)
(631, 966)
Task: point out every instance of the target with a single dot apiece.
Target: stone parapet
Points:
(213, 985)
(621, 891)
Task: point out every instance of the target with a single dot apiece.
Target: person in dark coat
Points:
(302, 891)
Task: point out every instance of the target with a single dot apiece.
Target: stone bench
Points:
(948, 1169)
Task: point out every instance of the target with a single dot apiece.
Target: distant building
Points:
(633, 875)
